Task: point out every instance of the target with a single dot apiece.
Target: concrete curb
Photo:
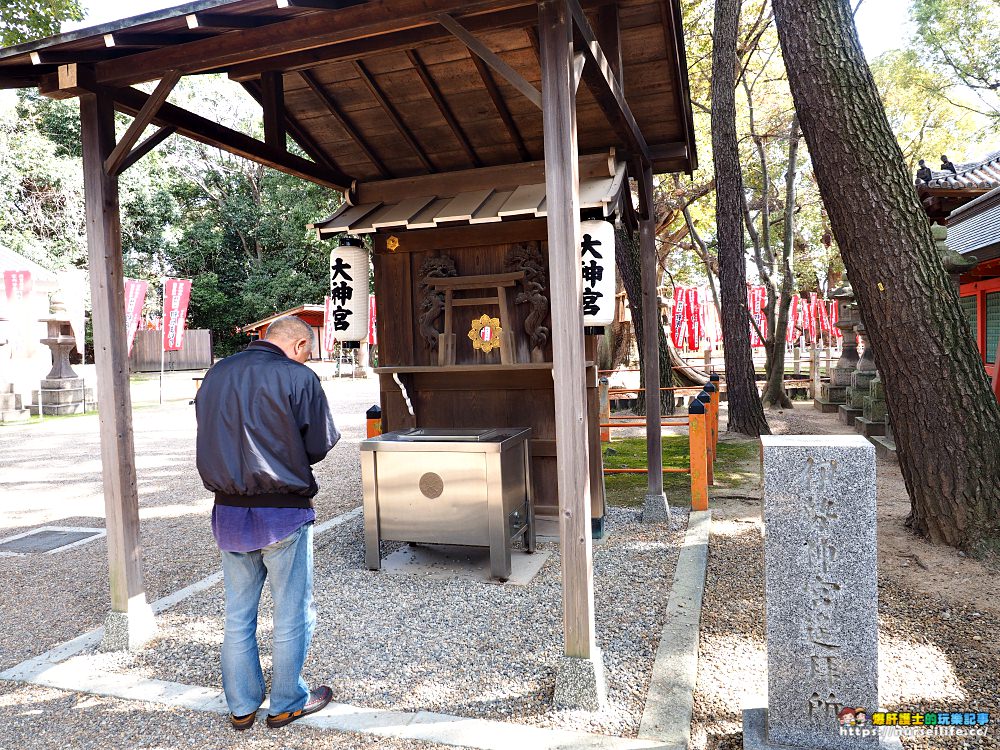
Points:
(670, 700)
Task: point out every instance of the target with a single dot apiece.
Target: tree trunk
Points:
(774, 391)
(627, 258)
(945, 418)
(746, 415)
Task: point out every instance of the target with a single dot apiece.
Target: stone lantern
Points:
(834, 392)
(62, 391)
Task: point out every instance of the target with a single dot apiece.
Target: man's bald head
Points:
(293, 336)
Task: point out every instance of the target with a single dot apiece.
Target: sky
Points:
(882, 24)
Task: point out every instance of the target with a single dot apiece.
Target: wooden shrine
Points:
(466, 137)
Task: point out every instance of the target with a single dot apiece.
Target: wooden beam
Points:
(73, 80)
(58, 57)
(673, 30)
(318, 4)
(572, 463)
(146, 146)
(220, 22)
(397, 41)
(501, 106)
(579, 63)
(442, 105)
(344, 122)
(605, 88)
(298, 133)
(303, 32)
(392, 113)
(491, 58)
(273, 104)
(117, 40)
(113, 165)
(609, 36)
(107, 285)
(651, 332)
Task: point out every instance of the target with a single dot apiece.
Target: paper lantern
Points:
(597, 264)
(348, 315)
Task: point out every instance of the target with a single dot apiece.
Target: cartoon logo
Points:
(852, 717)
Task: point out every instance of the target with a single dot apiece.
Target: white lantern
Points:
(597, 264)
(348, 315)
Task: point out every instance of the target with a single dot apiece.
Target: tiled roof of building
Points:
(977, 175)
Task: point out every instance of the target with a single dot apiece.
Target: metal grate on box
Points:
(48, 540)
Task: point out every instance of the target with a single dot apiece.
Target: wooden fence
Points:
(196, 354)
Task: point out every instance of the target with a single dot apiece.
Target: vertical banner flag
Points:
(176, 294)
(811, 312)
(833, 320)
(693, 318)
(329, 326)
(372, 324)
(135, 298)
(679, 326)
(824, 318)
(17, 284)
(756, 297)
(793, 318)
(597, 264)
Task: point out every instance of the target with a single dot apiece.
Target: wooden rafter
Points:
(297, 34)
(295, 129)
(392, 113)
(272, 86)
(124, 39)
(342, 120)
(501, 106)
(217, 21)
(670, 19)
(396, 41)
(442, 105)
(75, 81)
(113, 165)
(318, 4)
(58, 57)
(491, 58)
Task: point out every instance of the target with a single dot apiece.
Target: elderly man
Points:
(263, 421)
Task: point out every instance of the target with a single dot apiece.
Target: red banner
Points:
(811, 313)
(680, 324)
(824, 318)
(135, 298)
(833, 320)
(793, 318)
(176, 295)
(694, 320)
(756, 298)
(329, 331)
(17, 285)
(372, 328)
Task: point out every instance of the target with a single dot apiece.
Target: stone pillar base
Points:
(655, 509)
(580, 683)
(129, 631)
(755, 737)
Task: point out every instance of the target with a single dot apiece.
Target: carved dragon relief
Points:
(432, 305)
(528, 258)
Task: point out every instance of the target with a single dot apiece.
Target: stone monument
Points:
(834, 392)
(861, 379)
(62, 391)
(872, 422)
(821, 568)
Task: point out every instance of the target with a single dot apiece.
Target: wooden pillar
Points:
(580, 679)
(130, 623)
(655, 509)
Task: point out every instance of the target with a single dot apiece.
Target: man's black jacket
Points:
(263, 420)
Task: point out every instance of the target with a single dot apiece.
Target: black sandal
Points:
(318, 700)
(241, 723)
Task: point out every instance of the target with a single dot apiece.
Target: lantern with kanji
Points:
(348, 309)
(597, 264)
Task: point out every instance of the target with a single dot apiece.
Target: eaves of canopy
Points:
(386, 89)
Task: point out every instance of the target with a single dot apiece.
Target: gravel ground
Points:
(50, 474)
(85, 722)
(481, 650)
(939, 642)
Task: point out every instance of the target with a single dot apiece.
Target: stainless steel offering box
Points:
(449, 486)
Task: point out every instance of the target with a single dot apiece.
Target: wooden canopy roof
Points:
(386, 89)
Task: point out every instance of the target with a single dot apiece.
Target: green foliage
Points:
(24, 20)
(962, 38)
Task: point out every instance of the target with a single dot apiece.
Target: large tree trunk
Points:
(774, 391)
(945, 418)
(746, 415)
(627, 258)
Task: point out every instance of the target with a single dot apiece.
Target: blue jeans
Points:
(289, 564)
